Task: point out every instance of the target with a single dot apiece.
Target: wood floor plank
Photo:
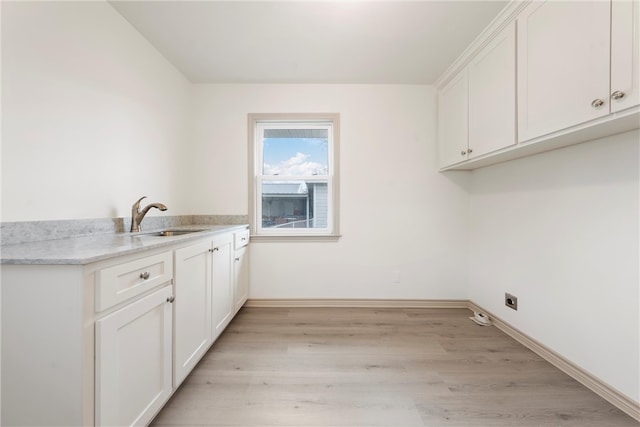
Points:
(377, 367)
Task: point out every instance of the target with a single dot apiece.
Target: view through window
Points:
(294, 177)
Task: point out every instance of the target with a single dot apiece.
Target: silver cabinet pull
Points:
(597, 103)
(470, 151)
(237, 259)
(463, 152)
(171, 299)
(617, 94)
(144, 275)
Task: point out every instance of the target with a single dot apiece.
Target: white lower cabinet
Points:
(222, 283)
(122, 333)
(241, 269)
(204, 299)
(192, 333)
(241, 277)
(133, 361)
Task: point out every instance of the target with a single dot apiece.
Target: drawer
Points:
(241, 239)
(130, 279)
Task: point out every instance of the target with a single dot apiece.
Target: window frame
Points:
(256, 176)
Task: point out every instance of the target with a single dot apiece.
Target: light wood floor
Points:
(377, 367)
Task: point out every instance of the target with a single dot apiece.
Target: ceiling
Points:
(350, 41)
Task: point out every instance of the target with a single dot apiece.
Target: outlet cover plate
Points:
(511, 301)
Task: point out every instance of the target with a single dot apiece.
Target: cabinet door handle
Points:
(596, 103)
(145, 275)
(617, 94)
(470, 150)
(171, 299)
(214, 249)
(237, 259)
(463, 152)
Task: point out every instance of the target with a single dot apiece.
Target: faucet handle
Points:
(136, 205)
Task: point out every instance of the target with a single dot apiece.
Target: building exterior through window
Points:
(294, 204)
(295, 182)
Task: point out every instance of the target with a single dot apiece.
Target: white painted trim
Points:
(296, 238)
(504, 18)
(333, 177)
(352, 303)
(608, 393)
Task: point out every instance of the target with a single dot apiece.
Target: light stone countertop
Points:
(87, 249)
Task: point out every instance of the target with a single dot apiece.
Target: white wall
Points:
(93, 116)
(397, 213)
(560, 231)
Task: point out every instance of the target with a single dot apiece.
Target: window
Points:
(294, 188)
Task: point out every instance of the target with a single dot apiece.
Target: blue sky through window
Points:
(295, 156)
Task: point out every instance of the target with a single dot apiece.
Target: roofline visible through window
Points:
(254, 118)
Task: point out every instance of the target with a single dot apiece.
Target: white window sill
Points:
(296, 238)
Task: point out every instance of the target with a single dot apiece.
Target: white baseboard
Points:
(602, 389)
(613, 396)
(354, 303)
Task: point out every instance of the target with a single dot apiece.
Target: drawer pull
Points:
(171, 299)
(145, 275)
(237, 259)
(214, 249)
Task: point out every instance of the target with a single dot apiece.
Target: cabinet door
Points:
(241, 277)
(563, 65)
(492, 95)
(133, 361)
(453, 118)
(222, 283)
(625, 49)
(192, 307)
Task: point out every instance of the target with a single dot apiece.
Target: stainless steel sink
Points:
(169, 233)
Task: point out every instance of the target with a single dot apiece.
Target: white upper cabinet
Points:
(575, 69)
(453, 115)
(492, 95)
(563, 65)
(625, 49)
(477, 108)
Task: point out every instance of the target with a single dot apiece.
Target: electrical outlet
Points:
(511, 301)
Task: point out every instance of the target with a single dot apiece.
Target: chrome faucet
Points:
(137, 215)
